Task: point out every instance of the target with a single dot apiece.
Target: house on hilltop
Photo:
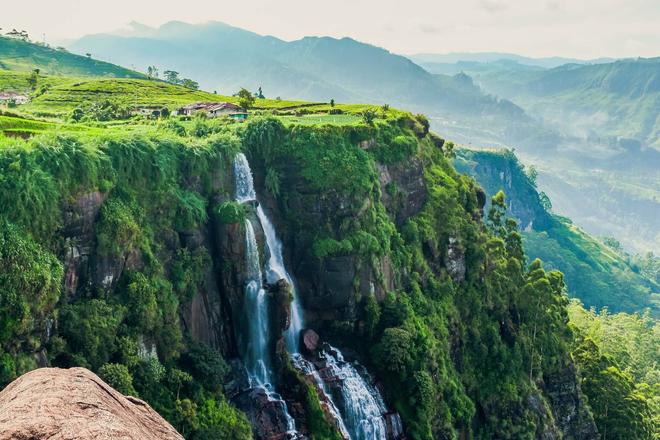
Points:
(150, 111)
(213, 110)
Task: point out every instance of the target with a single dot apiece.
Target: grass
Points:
(18, 55)
(56, 97)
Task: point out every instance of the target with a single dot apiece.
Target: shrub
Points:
(119, 378)
(231, 212)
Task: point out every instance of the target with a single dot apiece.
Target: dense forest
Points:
(439, 277)
(108, 242)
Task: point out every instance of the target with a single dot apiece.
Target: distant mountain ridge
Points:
(225, 58)
(491, 57)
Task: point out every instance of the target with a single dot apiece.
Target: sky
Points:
(569, 28)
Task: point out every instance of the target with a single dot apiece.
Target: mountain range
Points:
(591, 127)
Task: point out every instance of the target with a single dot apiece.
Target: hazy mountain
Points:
(430, 59)
(585, 168)
(225, 58)
(608, 176)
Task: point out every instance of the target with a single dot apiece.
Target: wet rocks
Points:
(267, 416)
(310, 341)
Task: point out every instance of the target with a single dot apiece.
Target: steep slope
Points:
(595, 273)
(22, 55)
(125, 251)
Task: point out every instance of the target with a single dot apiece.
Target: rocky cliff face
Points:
(497, 171)
(354, 229)
(75, 404)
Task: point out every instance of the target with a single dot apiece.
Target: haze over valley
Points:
(422, 220)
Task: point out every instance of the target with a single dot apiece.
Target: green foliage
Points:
(619, 410)
(618, 357)
(231, 212)
(90, 328)
(369, 116)
(38, 59)
(30, 277)
(191, 210)
(206, 364)
(597, 274)
(318, 425)
(328, 247)
(393, 351)
(119, 378)
(245, 99)
(273, 182)
(188, 271)
(117, 230)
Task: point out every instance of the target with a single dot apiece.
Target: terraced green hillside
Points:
(25, 56)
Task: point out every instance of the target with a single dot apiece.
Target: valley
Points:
(300, 268)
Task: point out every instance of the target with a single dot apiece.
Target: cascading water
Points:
(257, 358)
(309, 369)
(356, 406)
(361, 404)
(275, 271)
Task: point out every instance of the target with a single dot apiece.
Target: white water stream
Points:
(355, 404)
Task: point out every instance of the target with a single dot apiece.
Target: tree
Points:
(88, 55)
(332, 103)
(245, 99)
(532, 174)
(260, 94)
(545, 201)
(119, 378)
(190, 84)
(368, 116)
(33, 79)
(171, 76)
(152, 72)
(448, 149)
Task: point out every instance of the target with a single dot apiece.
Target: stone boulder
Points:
(310, 341)
(59, 404)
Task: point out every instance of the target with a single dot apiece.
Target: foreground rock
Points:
(58, 404)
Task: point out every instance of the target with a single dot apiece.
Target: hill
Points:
(225, 58)
(597, 274)
(618, 102)
(126, 248)
(19, 55)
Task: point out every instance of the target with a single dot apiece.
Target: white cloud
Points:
(585, 28)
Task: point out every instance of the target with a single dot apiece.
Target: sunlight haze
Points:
(585, 29)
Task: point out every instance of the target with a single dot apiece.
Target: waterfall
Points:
(361, 404)
(243, 177)
(275, 271)
(257, 356)
(309, 369)
(352, 401)
(257, 359)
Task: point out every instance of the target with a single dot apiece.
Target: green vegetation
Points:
(20, 55)
(597, 274)
(510, 319)
(128, 331)
(619, 354)
(461, 328)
